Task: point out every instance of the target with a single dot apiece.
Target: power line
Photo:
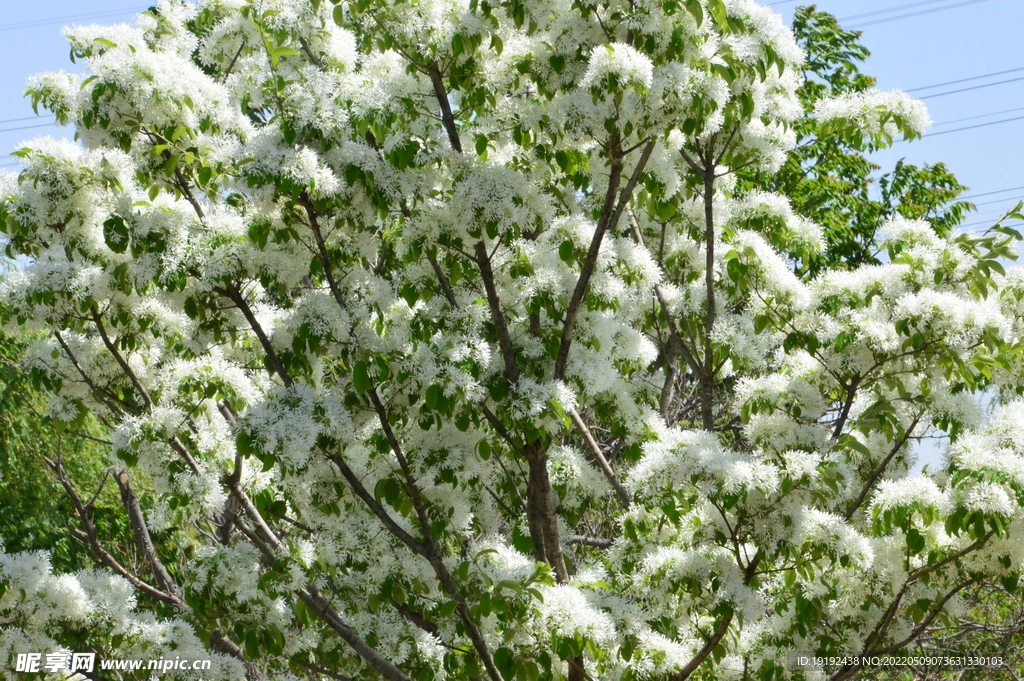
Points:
(973, 87)
(964, 80)
(60, 20)
(988, 203)
(998, 191)
(16, 120)
(972, 127)
(990, 214)
(974, 118)
(29, 127)
(890, 10)
(987, 223)
(916, 14)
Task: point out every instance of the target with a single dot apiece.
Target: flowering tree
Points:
(451, 348)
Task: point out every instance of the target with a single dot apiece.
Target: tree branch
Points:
(610, 214)
(120, 360)
(508, 352)
(325, 261)
(236, 297)
(437, 81)
(143, 540)
(602, 462)
(92, 536)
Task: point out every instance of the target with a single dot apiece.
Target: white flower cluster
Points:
(37, 606)
(875, 112)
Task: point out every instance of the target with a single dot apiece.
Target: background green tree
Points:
(34, 509)
(830, 180)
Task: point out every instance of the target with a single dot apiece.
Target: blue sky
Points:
(970, 38)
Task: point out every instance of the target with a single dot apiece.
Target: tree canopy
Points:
(513, 340)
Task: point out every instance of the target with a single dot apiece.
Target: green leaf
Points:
(505, 662)
(383, 368)
(915, 541)
(565, 251)
(718, 11)
(843, 340)
(446, 609)
(360, 377)
(115, 234)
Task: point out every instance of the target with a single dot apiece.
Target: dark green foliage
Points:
(35, 513)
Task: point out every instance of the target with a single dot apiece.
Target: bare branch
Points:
(508, 352)
(143, 540)
(120, 360)
(235, 296)
(437, 81)
(92, 536)
(610, 214)
(602, 462)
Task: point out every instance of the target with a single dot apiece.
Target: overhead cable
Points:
(973, 87)
(964, 80)
(974, 118)
(61, 20)
(889, 10)
(29, 127)
(998, 191)
(972, 127)
(916, 14)
(17, 120)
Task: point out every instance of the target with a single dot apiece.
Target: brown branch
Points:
(183, 186)
(869, 485)
(312, 598)
(375, 508)
(675, 345)
(851, 393)
(235, 296)
(929, 569)
(508, 352)
(229, 647)
(602, 462)
(321, 246)
(92, 537)
(720, 630)
(231, 65)
(596, 542)
(309, 53)
(140, 530)
(541, 514)
(120, 360)
(933, 613)
(416, 619)
(437, 81)
(110, 401)
(433, 553)
(707, 377)
(610, 214)
(443, 281)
